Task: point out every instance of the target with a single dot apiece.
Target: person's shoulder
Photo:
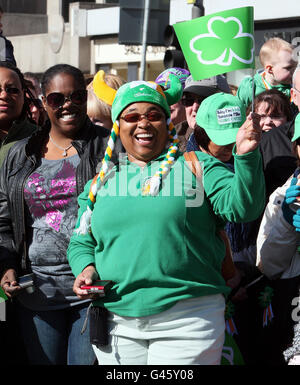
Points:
(15, 154)
(100, 131)
(31, 127)
(278, 194)
(94, 130)
(246, 80)
(284, 131)
(244, 90)
(205, 159)
(18, 146)
(9, 50)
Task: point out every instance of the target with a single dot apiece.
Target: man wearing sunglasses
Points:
(195, 91)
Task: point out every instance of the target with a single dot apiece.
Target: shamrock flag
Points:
(218, 43)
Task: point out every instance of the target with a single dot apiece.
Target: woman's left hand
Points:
(86, 277)
(249, 134)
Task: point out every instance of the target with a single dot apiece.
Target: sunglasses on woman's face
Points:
(134, 117)
(56, 100)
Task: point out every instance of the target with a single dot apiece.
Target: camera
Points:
(26, 282)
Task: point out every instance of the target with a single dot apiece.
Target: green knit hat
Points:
(221, 115)
(142, 91)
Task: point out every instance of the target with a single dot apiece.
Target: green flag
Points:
(231, 354)
(218, 43)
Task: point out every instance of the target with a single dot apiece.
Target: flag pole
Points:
(253, 89)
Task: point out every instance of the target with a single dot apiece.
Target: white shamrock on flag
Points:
(223, 42)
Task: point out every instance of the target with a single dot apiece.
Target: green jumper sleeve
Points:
(238, 197)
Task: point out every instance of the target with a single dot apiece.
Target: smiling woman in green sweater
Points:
(152, 228)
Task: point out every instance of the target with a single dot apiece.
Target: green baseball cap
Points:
(297, 128)
(221, 115)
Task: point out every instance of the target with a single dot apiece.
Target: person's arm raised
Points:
(249, 135)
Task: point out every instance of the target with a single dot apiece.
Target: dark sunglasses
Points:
(188, 102)
(134, 117)
(11, 90)
(56, 100)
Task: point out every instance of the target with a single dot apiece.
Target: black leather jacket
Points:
(21, 161)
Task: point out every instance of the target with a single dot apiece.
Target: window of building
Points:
(24, 6)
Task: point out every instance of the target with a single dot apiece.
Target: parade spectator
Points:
(15, 114)
(279, 162)
(274, 109)
(278, 257)
(195, 91)
(276, 57)
(177, 109)
(38, 113)
(167, 304)
(101, 93)
(38, 210)
(241, 237)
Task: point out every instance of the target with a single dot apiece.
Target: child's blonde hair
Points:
(96, 107)
(271, 47)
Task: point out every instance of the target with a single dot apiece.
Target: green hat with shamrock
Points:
(221, 115)
(297, 128)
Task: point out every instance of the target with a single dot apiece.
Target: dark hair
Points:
(201, 137)
(26, 110)
(277, 102)
(58, 69)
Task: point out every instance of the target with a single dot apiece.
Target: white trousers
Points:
(189, 333)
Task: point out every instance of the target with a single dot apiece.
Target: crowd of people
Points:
(180, 193)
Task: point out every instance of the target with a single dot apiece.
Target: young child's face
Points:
(283, 67)
(269, 118)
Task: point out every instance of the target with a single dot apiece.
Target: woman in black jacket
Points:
(16, 121)
(39, 184)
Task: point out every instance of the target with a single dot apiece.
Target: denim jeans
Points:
(53, 337)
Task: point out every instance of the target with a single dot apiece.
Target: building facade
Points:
(86, 33)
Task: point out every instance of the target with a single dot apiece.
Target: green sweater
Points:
(159, 250)
(244, 92)
(19, 130)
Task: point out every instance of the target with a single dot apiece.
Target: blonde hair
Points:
(96, 107)
(271, 47)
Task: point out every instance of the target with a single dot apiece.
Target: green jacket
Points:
(159, 250)
(19, 130)
(244, 92)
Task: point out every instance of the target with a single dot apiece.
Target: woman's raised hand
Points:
(249, 135)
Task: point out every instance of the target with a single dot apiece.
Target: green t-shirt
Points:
(159, 250)
(244, 92)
